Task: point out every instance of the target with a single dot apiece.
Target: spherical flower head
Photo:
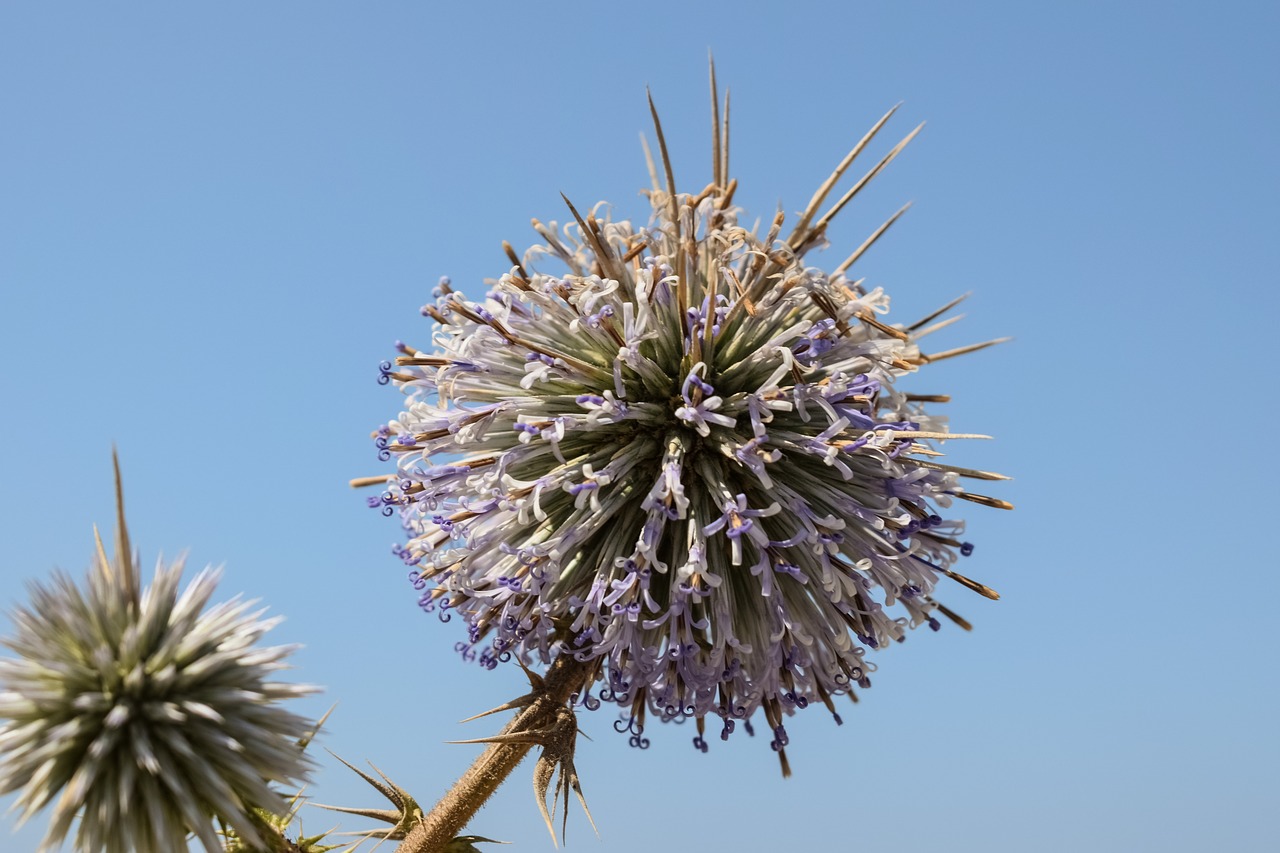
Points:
(144, 713)
(680, 457)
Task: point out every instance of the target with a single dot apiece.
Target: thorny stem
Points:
(490, 770)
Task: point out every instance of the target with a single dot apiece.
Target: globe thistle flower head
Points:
(680, 457)
(142, 712)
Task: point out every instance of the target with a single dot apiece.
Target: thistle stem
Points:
(449, 816)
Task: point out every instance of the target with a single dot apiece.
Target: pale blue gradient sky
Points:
(214, 223)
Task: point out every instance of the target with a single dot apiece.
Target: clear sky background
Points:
(214, 222)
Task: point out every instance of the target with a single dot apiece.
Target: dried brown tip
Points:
(666, 166)
(985, 500)
(784, 763)
(870, 241)
(954, 617)
(952, 353)
(944, 309)
(980, 589)
(380, 479)
(514, 258)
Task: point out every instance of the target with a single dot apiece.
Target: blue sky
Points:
(215, 222)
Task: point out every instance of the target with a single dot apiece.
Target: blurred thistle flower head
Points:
(682, 458)
(142, 712)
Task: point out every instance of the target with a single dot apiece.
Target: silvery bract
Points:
(143, 713)
(679, 454)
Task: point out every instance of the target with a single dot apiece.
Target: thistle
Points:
(677, 455)
(142, 712)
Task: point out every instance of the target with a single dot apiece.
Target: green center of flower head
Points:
(681, 458)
